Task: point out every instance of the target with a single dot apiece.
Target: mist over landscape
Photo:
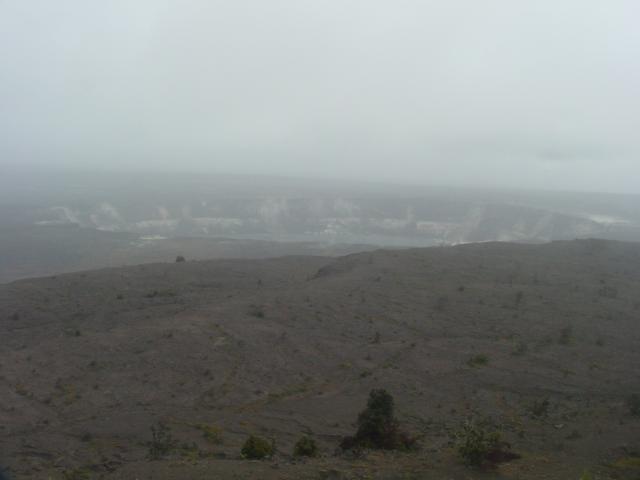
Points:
(348, 240)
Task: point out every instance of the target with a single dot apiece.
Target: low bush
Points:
(257, 448)
(305, 447)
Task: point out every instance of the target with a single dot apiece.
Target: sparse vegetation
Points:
(608, 292)
(162, 442)
(256, 311)
(566, 335)
(76, 474)
(211, 433)
(519, 297)
(442, 303)
(257, 448)
(160, 294)
(204, 360)
(190, 451)
(634, 405)
(540, 409)
(520, 348)
(305, 447)
(586, 475)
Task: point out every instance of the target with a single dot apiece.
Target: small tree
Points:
(377, 426)
(180, 259)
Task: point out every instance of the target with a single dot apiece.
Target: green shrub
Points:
(474, 444)
(305, 447)
(256, 448)
(477, 446)
(161, 443)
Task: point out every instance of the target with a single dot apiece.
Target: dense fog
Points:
(538, 94)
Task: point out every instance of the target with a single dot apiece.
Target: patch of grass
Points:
(608, 292)
(21, 390)
(627, 463)
(256, 311)
(540, 409)
(77, 474)
(67, 392)
(161, 293)
(574, 435)
(190, 451)
(634, 405)
(586, 475)
(566, 335)
(211, 433)
(288, 392)
(479, 360)
(519, 297)
(519, 349)
(442, 303)
(566, 372)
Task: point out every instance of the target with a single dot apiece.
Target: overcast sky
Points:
(518, 93)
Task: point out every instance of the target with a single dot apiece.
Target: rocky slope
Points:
(287, 346)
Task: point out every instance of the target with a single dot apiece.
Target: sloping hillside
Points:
(287, 346)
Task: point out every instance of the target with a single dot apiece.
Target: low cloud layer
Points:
(542, 94)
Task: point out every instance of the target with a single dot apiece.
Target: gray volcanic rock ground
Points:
(286, 346)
